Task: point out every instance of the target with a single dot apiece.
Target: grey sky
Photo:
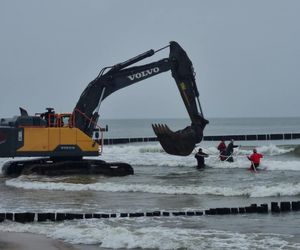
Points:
(246, 54)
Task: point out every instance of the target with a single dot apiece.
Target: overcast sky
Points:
(245, 53)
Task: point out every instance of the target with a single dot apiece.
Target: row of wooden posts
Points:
(24, 217)
(252, 137)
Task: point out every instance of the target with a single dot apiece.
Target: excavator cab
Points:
(56, 120)
(60, 120)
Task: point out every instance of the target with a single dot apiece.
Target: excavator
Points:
(64, 144)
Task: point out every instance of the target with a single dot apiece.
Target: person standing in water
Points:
(222, 150)
(229, 151)
(200, 158)
(255, 159)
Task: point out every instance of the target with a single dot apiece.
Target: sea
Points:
(168, 183)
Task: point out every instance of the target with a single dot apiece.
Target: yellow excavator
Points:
(59, 142)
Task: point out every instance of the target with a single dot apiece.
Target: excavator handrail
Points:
(89, 119)
(91, 122)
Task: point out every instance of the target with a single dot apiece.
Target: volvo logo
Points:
(67, 147)
(144, 73)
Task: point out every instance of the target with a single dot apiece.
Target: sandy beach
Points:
(27, 241)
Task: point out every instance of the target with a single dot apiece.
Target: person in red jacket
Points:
(255, 159)
(222, 149)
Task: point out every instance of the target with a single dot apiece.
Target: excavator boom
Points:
(181, 142)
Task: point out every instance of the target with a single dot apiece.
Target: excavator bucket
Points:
(181, 142)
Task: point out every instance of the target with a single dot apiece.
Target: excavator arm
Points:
(111, 79)
(107, 83)
(183, 142)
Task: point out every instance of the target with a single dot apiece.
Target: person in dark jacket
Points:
(200, 158)
(229, 150)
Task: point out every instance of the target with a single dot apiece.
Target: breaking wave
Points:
(152, 154)
(257, 190)
(131, 236)
(122, 234)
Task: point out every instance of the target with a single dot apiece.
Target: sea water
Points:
(164, 182)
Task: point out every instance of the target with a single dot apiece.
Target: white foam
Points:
(123, 233)
(282, 189)
(153, 157)
(281, 165)
(267, 164)
(272, 150)
(236, 189)
(152, 154)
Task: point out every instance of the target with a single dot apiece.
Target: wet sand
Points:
(28, 241)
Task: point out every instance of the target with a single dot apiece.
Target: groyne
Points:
(249, 137)
(274, 208)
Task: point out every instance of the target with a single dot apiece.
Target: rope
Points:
(254, 168)
(212, 154)
(161, 48)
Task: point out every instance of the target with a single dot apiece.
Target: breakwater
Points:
(282, 207)
(250, 137)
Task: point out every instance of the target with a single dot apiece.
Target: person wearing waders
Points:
(229, 151)
(200, 158)
(255, 160)
(222, 150)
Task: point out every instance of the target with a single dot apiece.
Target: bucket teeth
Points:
(160, 129)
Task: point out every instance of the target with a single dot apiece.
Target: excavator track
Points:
(45, 166)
